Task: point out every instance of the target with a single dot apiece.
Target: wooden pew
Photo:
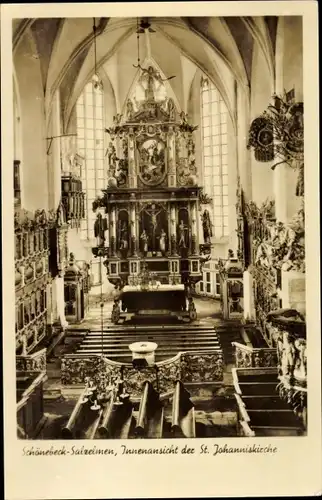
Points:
(183, 416)
(105, 429)
(150, 418)
(116, 420)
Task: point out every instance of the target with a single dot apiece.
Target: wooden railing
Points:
(190, 367)
(35, 362)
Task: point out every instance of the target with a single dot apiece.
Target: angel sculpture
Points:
(149, 76)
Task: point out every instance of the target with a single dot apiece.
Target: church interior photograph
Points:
(159, 227)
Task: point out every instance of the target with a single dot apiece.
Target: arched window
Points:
(90, 144)
(214, 117)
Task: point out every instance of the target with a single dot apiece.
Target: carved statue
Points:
(144, 238)
(288, 355)
(206, 226)
(124, 237)
(121, 172)
(153, 212)
(171, 109)
(117, 119)
(112, 158)
(129, 109)
(182, 235)
(116, 311)
(149, 77)
(184, 117)
(300, 370)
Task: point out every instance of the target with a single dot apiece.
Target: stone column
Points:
(60, 299)
(173, 229)
(107, 231)
(193, 212)
(249, 312)
(132, 165)
(279, 182)
(133, 226)
(172, 180)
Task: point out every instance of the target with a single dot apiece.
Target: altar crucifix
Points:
(153, 211)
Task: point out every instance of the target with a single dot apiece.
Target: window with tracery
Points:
(214, 116)
(90, 145)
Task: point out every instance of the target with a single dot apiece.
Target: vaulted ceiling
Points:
(221, 47)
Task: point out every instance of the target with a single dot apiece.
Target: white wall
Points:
(32, 125)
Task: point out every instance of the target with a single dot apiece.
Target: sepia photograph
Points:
(160, 254)
(159, 227)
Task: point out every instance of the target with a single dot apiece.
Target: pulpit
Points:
(76, 289)
(231, 286)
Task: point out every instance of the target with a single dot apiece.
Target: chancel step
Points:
(114, 342)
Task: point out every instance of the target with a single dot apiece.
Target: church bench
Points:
(150, 416)
(183, 416)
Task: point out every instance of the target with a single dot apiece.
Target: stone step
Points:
(258, 389)
(272, 418)
(129, 328)
(264, 403)
(126, 354)
(258, 378)
(52, 394)
(173, 344)
(151, 334)
(146, 336)
(277, 431)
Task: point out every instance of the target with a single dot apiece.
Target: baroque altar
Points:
(148, 211)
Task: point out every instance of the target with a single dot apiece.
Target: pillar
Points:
(107, 231)
(193, 212)
(133, 227)
(243, 155)
(60, 300)
(132, 166)
(249, 313)
(173, 229)
(172, 180)
(113, 231)
(54, 157)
